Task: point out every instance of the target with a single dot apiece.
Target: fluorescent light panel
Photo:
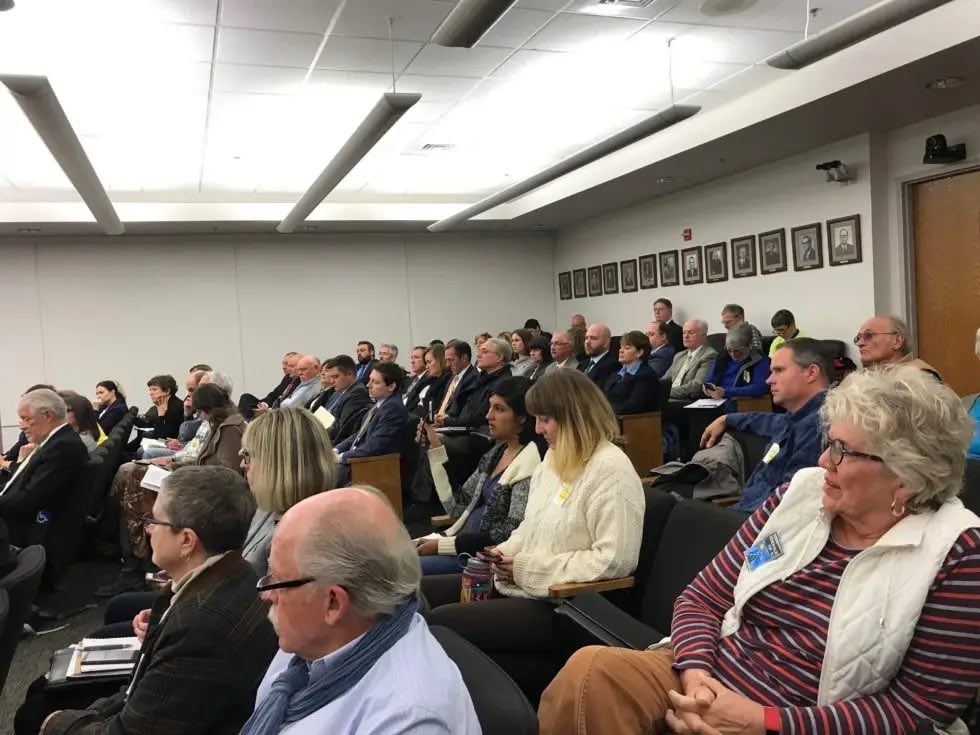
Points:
(379, 120)
(869, 22)
(649, 126)
(469, 21)
(40, 104)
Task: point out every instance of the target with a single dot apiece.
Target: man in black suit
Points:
(663, 311)
(383, 427)
(323, 397)
(417, 380)
(661, 350)
(248, 403)
(463, 384)
(473, 403)
(600, 363)
(43, 481)
(350, 400)
(365, 360)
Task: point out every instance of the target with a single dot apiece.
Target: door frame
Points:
(908, 227)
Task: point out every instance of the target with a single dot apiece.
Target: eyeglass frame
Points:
(148, 519)
(865, 335)
(265, 586)
(828, 445)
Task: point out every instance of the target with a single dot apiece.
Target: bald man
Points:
(343, 587)
(601, 362)
(578, 321)
(308, 371)
(884, 340)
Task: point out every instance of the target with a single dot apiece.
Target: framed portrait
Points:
(743, 257)
(579, 289)
(595, 280)
(648, 271)
(807, 247)
(716, 262)
(693, 266)
(772, 251)
(565, 285)
(844, 240)
(610, 278)
(669, 272)
(627, 270)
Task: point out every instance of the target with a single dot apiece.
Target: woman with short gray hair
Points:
(740, 371)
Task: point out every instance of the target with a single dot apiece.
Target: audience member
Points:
(562, 353)
(189, 426)
(578, 322)
(578, 344)
(82, 419)
(784, 327)
(505, 336)
(430, 397)
(691, 366)
(583, 523)
(365, 361)
(40, 488)
(435, 342)
(382, 428)
(535, 328)
(463, 383)
(972, 404)
(249, 404)
(355, 656)
(388, 353)
(111, 404)
(520, 344)
(540, 351)
(663, 311)
(417, 379)
(350, 401)
(800, 374)
(308, 372)
(207, 640)
(661, 350)
(732, 315)
(326, 388)
(841, 606)
(635, 388)
(884, 340)
(601, 362)
(490, 504)
(480, 338)
(164, 417)
(472, 404)
(287, 457)
(11, 455)
(740, 372)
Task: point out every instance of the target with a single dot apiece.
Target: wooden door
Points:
(946, 224)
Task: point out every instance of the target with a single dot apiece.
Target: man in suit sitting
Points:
(249, 405)
(465, 378)
(308, 371)
(663, 311)
(661, 350)
(690, 367)
(634, 388)
(417, 380)
(383, 426)
(44, 480)
(350, 400)
(365, 360)
(601, 363)
(471, 407)
(326, 392)
(562, 353)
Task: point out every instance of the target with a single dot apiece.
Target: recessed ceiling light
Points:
(665, 180)
(945, 83)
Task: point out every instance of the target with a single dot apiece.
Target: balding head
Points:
(578, 321)
(882, 339)
(695, 333)
(561, 346)
(308, 367)
(597, 338)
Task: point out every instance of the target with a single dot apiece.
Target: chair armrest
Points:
(441, 521)
(571, 589)
(376, 458)
(598, 621)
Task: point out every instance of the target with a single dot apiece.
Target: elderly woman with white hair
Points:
(849, 602)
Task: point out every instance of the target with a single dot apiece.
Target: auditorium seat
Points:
(21, 586)
(971, 486)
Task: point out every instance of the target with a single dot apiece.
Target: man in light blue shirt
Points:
(308, 370)
(355, 656)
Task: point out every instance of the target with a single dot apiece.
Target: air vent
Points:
(724, 7)
(436, 147)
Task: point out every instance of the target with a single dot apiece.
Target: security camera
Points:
(938, 152)
(836, 171)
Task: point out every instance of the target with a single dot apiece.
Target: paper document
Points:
(158, 443)
(706, 403)
(154, 477)
(325, 417)
(95, 656)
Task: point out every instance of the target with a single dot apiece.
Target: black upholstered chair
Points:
(21, 587)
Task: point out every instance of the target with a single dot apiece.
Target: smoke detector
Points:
(714, 8)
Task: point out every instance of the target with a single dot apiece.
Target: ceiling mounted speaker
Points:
(725, 7)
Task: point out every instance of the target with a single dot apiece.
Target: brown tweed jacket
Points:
(199, 668)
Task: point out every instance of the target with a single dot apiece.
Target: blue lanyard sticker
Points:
(767, 550)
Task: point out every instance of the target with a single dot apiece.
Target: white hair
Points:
(916, 424)
(391, 348)
(502, 347)
(43, 399)
(700, 324)
(221, 380)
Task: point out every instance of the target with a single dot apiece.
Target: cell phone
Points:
(710, 386)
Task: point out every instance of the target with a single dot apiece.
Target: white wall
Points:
(78, 311)
(829, 302)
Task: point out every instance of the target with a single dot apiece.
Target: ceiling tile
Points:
(413, 20)
(751, 79)
(574, 32)
(460, 62)
(375, 82)
(426, 112)
(699, 75)
(258, 79)
(266, 48)
(619, 10)
(732, 45)
(515, 27)
(525, 64)
(199, 12)
(366, 54)
(436, 89)
(305, 16)
(777, 15)
(552, 5)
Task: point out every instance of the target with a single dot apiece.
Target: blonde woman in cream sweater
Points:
(583, 523)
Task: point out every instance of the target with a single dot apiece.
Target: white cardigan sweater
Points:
(589, 531)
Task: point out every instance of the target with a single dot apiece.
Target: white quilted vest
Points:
(881, 592)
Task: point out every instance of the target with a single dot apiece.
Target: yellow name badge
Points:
(771, 454)
(563, 494)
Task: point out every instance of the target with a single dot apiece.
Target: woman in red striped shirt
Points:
(848, 603)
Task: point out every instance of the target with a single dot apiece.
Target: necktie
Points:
(333, 402)
(588, 370)
(449, 393)
(363, 430)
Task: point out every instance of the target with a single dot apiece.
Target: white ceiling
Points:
(206, 100)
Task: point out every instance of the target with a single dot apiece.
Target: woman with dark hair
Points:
(166, 414)
(111, 404)
(539, 349)
(81, 417)
(635, 388)
(521, 363)
(490, 504)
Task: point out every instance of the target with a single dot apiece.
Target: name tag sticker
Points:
(563, 494)
(771, 454)
(767, 550)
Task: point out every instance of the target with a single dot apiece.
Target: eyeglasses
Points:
(869, 335)
(838, 452)
(267, 584)
(149, 520)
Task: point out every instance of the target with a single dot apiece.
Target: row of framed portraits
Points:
(710, 264)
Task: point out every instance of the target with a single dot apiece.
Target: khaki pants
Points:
(604, 690)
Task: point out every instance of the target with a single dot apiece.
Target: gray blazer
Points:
(258, 540)
(687, 380)
(571, 363)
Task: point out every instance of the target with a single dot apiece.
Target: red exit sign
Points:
(688, 235)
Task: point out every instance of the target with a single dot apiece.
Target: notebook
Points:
(154, 477)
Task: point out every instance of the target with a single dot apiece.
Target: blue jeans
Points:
(155, 452)
(440, 565)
